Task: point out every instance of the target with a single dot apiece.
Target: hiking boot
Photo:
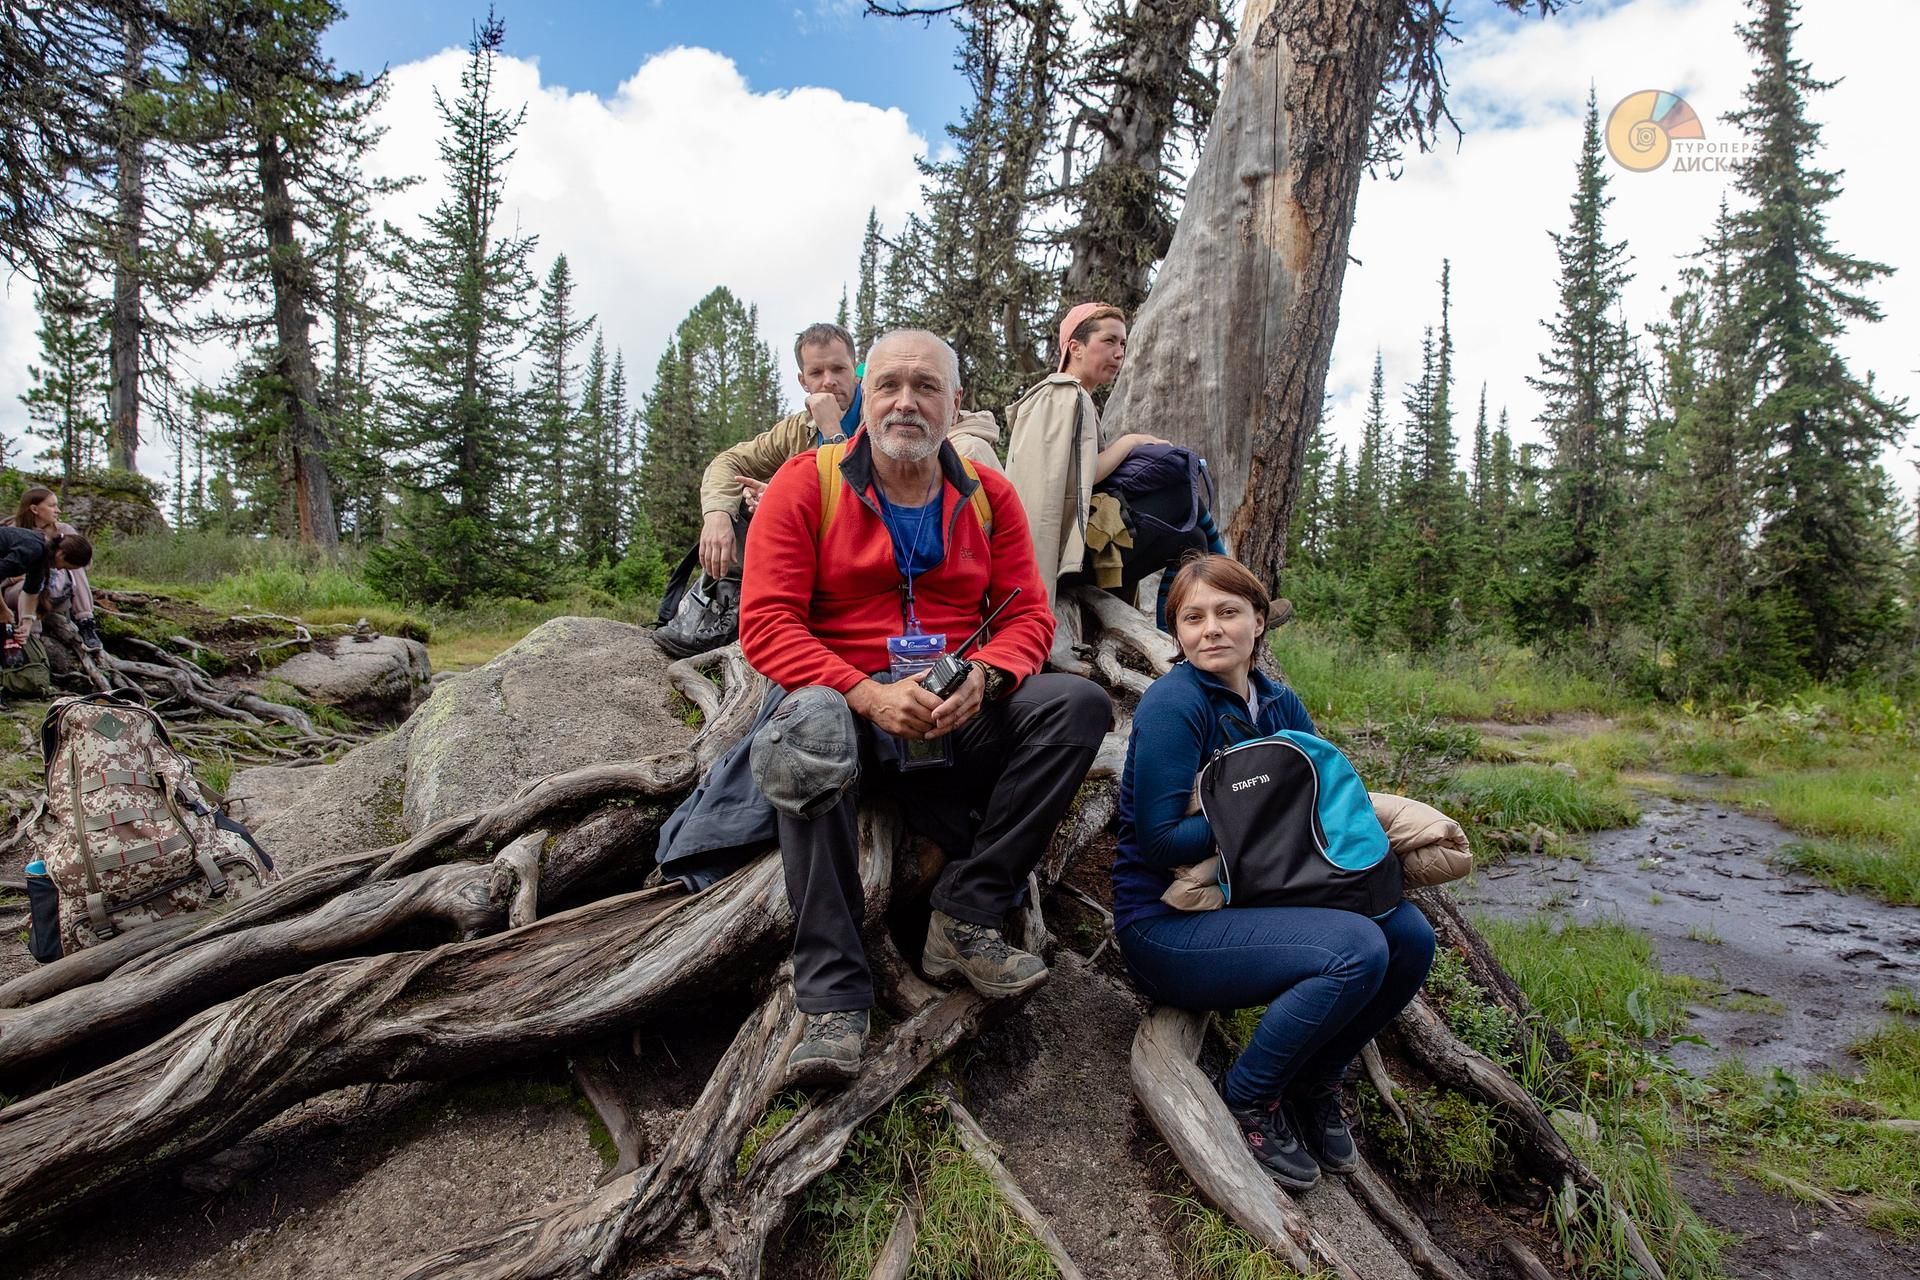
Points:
(89, 635)
(829, 1051)
(1323, 1127)
(1272, 1141)
(982, 955)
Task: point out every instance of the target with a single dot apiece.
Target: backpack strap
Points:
(96, 900)
(982, 509)
(828, 458)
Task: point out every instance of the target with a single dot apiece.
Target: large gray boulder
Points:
(369, 677)
(574, 691)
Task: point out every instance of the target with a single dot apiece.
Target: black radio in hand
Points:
(948, 674)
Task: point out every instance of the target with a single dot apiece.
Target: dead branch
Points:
(205, 970)
(515, 880)
(1384, 1085)
(896, 1255)
(594, 1076)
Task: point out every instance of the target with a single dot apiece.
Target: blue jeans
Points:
(1331, 980)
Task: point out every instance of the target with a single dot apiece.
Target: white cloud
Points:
(682, 180)
(1520, 94)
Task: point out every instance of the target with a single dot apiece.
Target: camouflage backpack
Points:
(125, 831)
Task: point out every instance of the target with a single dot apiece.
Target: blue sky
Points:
(594, 45)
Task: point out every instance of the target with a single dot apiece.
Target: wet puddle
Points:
(1800, 970)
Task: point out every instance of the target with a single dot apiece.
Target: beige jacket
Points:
(1053, 445)
(1432, 849)
(973, 436)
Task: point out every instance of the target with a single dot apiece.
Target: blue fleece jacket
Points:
(1180, 723)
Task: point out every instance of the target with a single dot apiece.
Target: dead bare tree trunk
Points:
(128, 227)
(1235, 339)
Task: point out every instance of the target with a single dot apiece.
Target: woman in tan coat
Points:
(1055, 460)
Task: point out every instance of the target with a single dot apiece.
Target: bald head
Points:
(911, 393)
(923, 339)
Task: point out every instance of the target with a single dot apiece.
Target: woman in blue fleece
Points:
(1330, 979)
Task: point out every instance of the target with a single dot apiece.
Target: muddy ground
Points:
(1799, 970)
(1799, 973)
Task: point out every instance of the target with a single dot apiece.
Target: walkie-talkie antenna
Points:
(985, 622)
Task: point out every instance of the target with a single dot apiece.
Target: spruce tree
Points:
(457, 423)
(1585, 390)
(560, 328)
(287, 131)
(866, 299)
(595, 467)
(1428, 520)
(1370, 472)
(717, 383)
(1827, 547)
(67, 400)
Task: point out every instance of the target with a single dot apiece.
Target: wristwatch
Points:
(999, 683)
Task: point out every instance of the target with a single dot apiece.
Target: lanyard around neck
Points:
(929, 510)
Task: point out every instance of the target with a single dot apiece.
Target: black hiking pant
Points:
(1017, 767)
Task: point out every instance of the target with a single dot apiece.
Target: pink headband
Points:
(1071, 321)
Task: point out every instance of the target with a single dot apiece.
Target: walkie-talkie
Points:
(947, 675)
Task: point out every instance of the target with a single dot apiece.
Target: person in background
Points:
(39, 509)
(1055, 460)
(731, 486)
(29, 556)
(1330, 980)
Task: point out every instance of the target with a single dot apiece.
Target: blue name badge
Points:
(907, 656)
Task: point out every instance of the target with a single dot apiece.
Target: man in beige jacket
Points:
(731, 486)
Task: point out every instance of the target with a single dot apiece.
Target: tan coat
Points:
(1432, 849)
(973, 436)
(1053, 445)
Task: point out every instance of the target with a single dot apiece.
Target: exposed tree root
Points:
(1418, 1243)
(896, 1255)
(1193, 1120)
(1449, 1060)
(977, 1145)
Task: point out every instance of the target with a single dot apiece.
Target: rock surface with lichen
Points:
(574, 691)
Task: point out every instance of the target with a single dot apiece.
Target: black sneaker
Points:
(1273, 1144)
(89, 635)
(1323, 1126)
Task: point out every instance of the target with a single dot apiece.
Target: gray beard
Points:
(908, 451)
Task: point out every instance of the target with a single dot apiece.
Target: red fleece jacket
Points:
(814, 612)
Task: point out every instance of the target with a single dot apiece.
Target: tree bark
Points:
(1235, 339)
(129, 225)
(308, 438)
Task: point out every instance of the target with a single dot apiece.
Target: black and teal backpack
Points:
(1295, 827)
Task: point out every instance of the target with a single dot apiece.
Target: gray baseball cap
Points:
(807, 753)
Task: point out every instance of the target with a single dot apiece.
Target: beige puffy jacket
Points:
(1432, 849)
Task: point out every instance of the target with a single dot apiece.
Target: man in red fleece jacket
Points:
(906, 547)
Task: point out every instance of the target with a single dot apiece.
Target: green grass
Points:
(779, 1116)
(1211, 1247)
(1521, 797)
(1825, 1134)
(468, 637)
(909, 1152)
(1902, 1000)
(1346, 680)
(1600, 985)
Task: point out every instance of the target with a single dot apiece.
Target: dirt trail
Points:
(1801, 969)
